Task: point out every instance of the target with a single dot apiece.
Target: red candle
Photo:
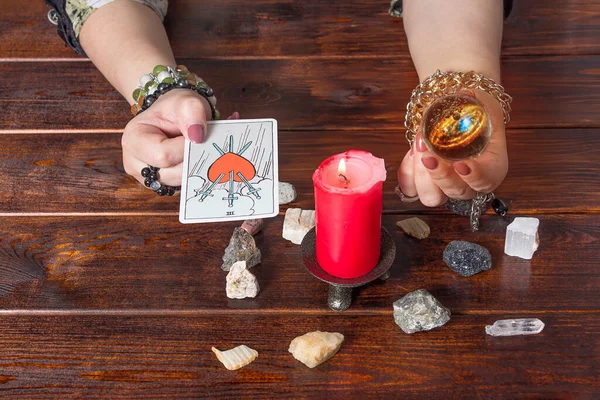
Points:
(348, 205)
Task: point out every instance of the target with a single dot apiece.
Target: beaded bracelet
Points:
(162, 80)
(166, 78)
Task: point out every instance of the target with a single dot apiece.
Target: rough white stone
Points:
(315, 348)
(241, 283)
(297, 223)
(287, 193)
(522, 238)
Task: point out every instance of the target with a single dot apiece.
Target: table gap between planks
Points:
(103, 293)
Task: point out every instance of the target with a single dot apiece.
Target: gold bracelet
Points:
(443, 83)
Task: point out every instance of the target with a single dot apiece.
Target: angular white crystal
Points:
(297, 223)
(315, 348)
(514, 327)
(522, 238)
(287, 193)
(241, 283)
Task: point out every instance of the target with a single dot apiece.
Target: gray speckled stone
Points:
(287, 193)
(459, 207)
(467, 258)
(242, 247)
(419, 311)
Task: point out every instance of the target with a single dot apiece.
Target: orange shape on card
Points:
(231, 162)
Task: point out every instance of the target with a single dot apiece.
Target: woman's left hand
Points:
(435, 180)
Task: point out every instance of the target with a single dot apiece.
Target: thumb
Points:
(191, 117)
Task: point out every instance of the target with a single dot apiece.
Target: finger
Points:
(429, 193)
(479, 176)
(486, 172)
(167, 176)
(406, 178)
(190, 114)
(444, 176)
(150, 145)
(235, 115)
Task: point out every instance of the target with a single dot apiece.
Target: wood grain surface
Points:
(275, 28)
(53, 173)
(155, 262)
(104, 294)
(332, 94)
(169, 357)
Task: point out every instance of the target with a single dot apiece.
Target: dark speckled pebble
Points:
(467, 258)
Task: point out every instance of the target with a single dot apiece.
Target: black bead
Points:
(153, 176)
(154, 169)
(162, 191)
(499, 206)
(148, 182)
(145, 172)
(209, 92)
(149, 100)
(163, 88)
(182, 83)
(177, 187)
(171, 191)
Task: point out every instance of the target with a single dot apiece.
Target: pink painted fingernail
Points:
(420, 144)
(430, 162)
(462, 168)
(196, 133)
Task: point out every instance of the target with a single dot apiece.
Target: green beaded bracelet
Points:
(165, 78)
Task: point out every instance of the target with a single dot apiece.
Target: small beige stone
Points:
(297, 223)
(315, 348)
(237, 357)
(415, 227)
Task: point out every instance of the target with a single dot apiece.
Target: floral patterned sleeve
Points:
(70, 15)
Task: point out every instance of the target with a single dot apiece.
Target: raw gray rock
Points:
(459, 207)
(287, 193)
(467, 258)
(242, 247)
(419, 311)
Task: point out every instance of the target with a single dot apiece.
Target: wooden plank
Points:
(150, 263)
(358, 94)
(274, 28)
(70, 173)
(170, 357)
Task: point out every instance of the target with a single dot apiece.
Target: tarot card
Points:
(233, 175)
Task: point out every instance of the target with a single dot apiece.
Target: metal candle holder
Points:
(340, 289)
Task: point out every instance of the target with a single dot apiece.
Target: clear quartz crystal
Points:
(522, 238)
(514, 327)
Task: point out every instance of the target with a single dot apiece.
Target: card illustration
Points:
(233, 175)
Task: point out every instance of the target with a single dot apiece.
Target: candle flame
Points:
(342, 167)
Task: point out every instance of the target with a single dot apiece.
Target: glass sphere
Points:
(456, 127)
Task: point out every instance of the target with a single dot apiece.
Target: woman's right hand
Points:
(156, 137)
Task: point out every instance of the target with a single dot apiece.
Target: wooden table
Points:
(103, 293)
